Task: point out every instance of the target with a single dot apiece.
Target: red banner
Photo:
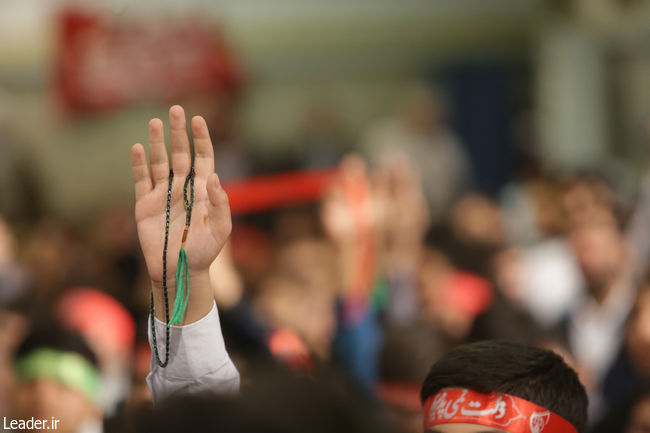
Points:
(272, 191)
(105, 62)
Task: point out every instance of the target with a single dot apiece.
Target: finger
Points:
(158, 153)
(203, 152)
(218, 209)
(141, 176)
(179, 142)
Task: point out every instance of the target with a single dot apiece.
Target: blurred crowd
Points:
(400, 260)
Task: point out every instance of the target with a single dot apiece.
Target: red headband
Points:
(502, 411)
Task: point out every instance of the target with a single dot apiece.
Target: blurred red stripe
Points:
(272, 191)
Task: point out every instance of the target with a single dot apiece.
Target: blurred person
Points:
(45, 255)
(326, 401)
(470, 280)
(138, 398)
(312, 259)
(406, 356)
(57, 381)
(21, 185)
(505, 318)
(453, 300)
(453, 282)
(588, 198)
(288, 301)
(628, 415)
(14, 325)
(637, 335)
(291, 312)
(476, 219)
(13, 276)
(632, 363)
(322, 142)
(295, 223)
(550, 284)
(595, 329)
(227, 282)
(403, 219)
(547, 282)
(277, 403)
(351, 215)
(252, 250)
(109, 330)
(420, 133)
(245, 334)
(115, 240)
(475, 242)
(139, 394)
(189, 357)
(503, 386)
(56, 255)
(639, 421)
(533, 210)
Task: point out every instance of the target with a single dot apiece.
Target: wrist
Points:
(201, 296)
(196, 278)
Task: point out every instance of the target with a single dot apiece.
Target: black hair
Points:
(534, 374)
(52, 336)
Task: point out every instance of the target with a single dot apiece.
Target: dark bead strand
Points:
(189, 203)
(164, 284)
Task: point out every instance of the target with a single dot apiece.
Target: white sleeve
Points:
(198, 361)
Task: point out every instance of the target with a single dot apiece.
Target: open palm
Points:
(210, 224)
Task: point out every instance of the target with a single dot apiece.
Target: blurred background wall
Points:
(500, 64)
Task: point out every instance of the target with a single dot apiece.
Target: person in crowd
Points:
(109, 330)
(406, 356)
(277, 403)
(595, 329)
(630, 414)
(191, 357)
(503, 386)
(57, 382)
(419, 132)
(631, 369)
(639, 419)
(288, 302)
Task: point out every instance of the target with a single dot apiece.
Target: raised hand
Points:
(210, 225)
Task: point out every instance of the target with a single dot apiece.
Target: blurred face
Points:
(477, 219)
(463, 428)
(640, 419)
(599, 251)
(434, 297)
(47, 399)
(308, 312)
(317, 321)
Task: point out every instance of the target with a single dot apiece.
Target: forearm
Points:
(198, 361)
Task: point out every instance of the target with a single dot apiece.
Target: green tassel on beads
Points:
(182, 296)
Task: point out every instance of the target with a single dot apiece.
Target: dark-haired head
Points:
(56, 379)
(528, 372)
